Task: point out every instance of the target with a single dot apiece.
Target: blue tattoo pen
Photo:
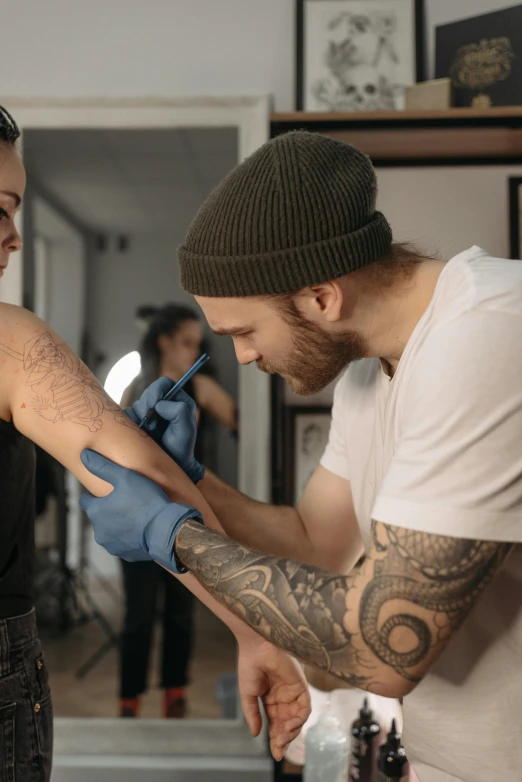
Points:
(152, 414)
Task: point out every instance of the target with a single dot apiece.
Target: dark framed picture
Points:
(309, 432)
(515, 218)
(357, 55)
(483, 58)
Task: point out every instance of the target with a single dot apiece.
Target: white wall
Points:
(63, 301)
(445, 209)
(59, 255)
(165, 47)
(161, 47)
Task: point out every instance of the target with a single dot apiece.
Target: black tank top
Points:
(17, 516)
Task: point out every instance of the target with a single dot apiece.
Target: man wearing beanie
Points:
(422, 472)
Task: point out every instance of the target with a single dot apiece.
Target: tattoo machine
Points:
(152, 415)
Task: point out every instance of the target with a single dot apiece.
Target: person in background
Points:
(170, 346)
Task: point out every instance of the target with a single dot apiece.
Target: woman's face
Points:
(12, 187)
(183, 348)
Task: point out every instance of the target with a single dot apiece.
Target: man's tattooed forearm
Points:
(410, 595)
(298, 607)
(63, 387)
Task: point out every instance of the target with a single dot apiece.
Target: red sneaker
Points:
(129, 707)
(175, 703)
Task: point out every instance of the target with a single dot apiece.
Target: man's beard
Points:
(317, 358)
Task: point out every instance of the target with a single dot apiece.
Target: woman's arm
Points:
(126, 398)
(215, 400)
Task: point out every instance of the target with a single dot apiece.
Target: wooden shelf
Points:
(457, 136)
(498, 112)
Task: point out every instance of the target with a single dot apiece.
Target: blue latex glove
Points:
(176, 433)
(137, 521)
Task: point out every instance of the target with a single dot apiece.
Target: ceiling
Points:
(130, 181)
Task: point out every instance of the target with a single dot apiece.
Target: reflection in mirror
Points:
(104, 214)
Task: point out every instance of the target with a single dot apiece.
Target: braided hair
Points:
(9, 130)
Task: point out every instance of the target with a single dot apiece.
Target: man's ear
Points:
(323, 301)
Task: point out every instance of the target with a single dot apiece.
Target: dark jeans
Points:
(26, 712)
(142, 582)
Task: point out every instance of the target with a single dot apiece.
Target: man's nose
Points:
(245, 353)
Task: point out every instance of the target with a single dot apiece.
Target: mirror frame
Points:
(107, 749)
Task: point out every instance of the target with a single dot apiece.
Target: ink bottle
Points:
(365, 744)
(393, 764)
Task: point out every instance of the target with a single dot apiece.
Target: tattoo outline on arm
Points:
(416, 582)
(63, 387)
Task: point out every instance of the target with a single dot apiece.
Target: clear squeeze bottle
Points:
(326, 754)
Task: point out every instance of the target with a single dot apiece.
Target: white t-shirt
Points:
(439, 449)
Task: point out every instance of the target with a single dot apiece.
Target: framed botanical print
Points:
(310, 429)
(357, 55)
(515, 217)
(483, 57)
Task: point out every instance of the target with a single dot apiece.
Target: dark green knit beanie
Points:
(299, 211)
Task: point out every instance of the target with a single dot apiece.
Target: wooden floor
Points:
(96, 694)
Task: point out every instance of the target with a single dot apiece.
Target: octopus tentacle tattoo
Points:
(63, 387)
(416, 583)
(453, 573)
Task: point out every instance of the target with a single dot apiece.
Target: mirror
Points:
(104, 213)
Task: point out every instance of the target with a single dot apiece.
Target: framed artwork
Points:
(357, 55)
(483, 58)
(310, 429)
(515, 217)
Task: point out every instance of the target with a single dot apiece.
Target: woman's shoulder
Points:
(13, 313)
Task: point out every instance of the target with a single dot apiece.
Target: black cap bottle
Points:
(365, 742)
(393, 763)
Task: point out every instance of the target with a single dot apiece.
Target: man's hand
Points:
(136, 521)
(176, 433)
(267, 673)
